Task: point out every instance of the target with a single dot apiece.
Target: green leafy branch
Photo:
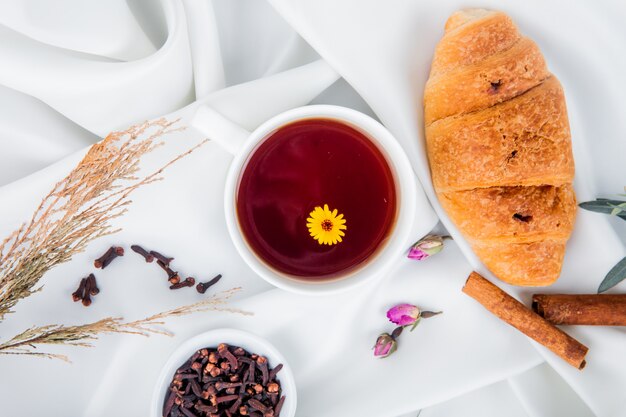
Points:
(606, 206)
(614, 208)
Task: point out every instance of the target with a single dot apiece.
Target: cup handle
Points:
(226, 133)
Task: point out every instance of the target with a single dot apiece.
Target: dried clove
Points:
(251, 369)
(176, 411)
(226, 398)
(274, 371)
(238, 351)
(80, 291)
(220, 385)
(169, 403)
(233, 408)
(112, 253)
(182, 376)
(257, 405)
(188, 412)
(195, 388)
(93, 287)
(87, 293)
(262, 364)
(223, 351)
(279, 406)
(273, 396)
(86, 301)
(237, 386)
(203, 286)
(146, 255)
(172, 276)
(85, 290)
(164, 259)
(186, 283)
(203, 408)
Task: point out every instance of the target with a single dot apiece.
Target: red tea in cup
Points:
(288, 180)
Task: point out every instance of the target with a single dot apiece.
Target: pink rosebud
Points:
(404, 314)
(385, 345)
(417, 254)
(425, 247)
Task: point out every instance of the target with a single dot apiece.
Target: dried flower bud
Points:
(404, 314)
(385, 345)
(425, 247)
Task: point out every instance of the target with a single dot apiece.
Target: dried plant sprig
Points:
(27, 342)
(79, 208)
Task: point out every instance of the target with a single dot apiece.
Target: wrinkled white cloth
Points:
(74, 70)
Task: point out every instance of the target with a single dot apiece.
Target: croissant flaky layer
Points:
(499, 147)
(497, 78)
(512, 214)
(522, 141)
(531, 264)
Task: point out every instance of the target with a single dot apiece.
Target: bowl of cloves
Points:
(225, 372)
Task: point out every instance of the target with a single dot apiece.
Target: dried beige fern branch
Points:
(79, 208)
(27, 342)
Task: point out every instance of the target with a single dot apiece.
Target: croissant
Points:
(499, 147)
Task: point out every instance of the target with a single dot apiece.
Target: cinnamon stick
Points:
(588, 309)
(526, 321)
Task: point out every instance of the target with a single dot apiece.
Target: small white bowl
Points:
(250, 342)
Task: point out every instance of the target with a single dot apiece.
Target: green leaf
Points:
(616, 275)
(617, 208)
(415, 324)
(605, 206)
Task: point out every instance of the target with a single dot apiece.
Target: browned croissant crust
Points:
(499, 146)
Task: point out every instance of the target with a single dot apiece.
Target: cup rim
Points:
(249, 341)
(398, 236)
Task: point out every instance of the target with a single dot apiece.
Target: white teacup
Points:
(242, 144)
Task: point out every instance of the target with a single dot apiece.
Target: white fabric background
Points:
(73, 70)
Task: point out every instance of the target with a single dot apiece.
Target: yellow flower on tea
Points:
(326, 226)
